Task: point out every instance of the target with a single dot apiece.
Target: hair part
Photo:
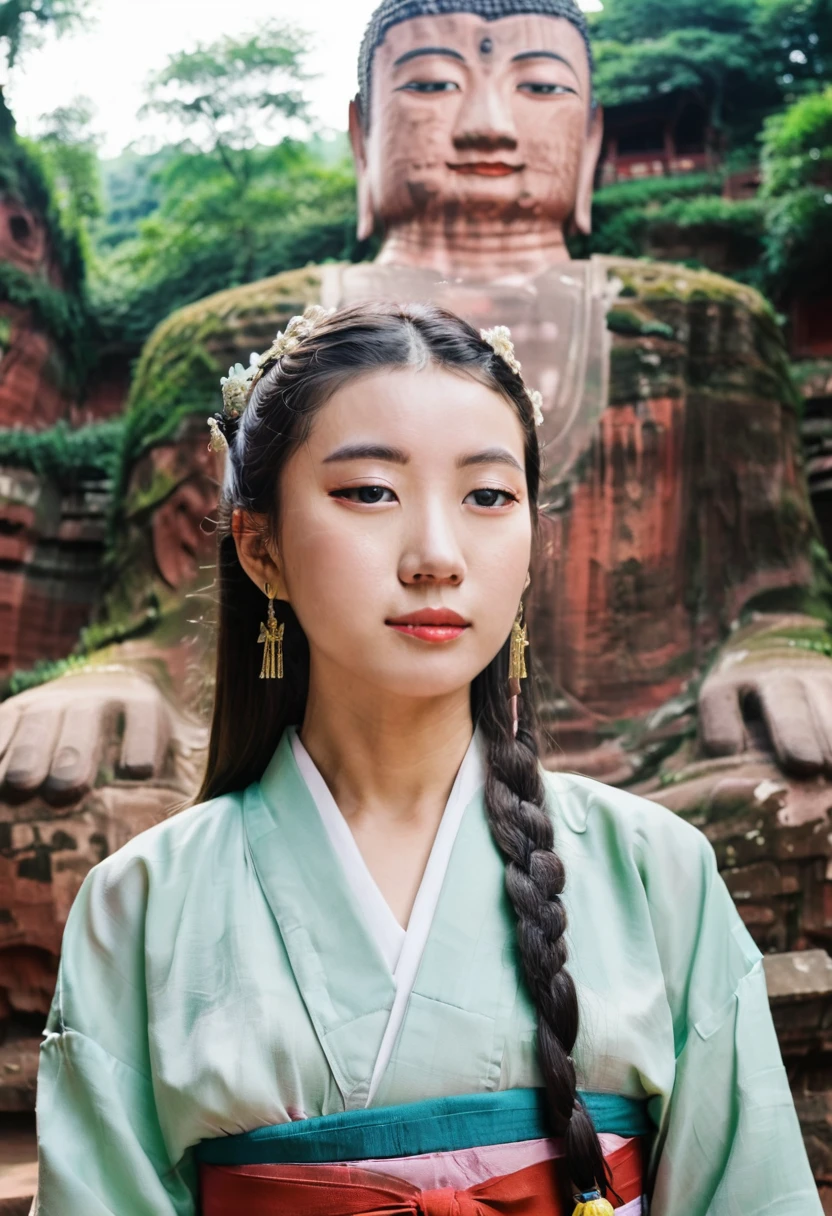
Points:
(250, 715)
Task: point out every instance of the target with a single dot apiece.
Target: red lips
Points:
(430, 624)
(485, 168)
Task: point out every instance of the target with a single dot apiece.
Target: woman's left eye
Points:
(490, 498)
(369, 495)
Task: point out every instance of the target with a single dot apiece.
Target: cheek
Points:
(410, 144)
(555, 148)
(500, 574)
(333, 573)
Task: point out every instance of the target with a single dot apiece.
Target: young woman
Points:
(343, 982)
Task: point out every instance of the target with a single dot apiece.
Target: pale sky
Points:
(110, 61)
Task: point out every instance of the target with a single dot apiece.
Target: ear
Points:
(256, 552)
(366, 213)
(582, 215)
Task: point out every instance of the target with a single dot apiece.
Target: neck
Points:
(481, 250)
(382, 756)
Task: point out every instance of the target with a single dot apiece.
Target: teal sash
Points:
(436, 1126)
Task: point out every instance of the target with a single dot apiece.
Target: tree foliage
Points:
(761, 69)
(741, 58)
(797, 146)
(798, 35)
(22, 21)
(209, 232)
(67, 152)
(65, 453)
(225, 96)
(223, 207)
(797, 186)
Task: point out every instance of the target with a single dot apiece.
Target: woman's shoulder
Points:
(175, 850)
(628, 822)
(655, 865)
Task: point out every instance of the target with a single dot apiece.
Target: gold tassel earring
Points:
(271, 638)
(517, 665)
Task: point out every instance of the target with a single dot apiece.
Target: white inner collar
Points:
(381, 922)
(401, 948)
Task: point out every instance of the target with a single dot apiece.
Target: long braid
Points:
(535, 875)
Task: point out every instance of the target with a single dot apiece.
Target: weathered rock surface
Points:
(52, 541)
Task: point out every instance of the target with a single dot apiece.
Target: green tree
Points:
(132, 191)
(741, 58)
(232, 208)
(798, 38)
(68, 153)
(22, 21)
(224, 96)
(797, 187)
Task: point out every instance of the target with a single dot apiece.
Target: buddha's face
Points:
(480, 120)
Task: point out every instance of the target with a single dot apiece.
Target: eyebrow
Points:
(376, 451)
(489, 456)
(543, 55)
(367, 451)
(447, 51)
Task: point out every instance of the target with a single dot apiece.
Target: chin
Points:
(426, 685)
(478, 192)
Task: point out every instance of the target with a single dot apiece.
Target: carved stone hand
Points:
(64, 737)
(774, 678)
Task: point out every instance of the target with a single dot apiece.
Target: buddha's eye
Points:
(539, 88)
(429, 86)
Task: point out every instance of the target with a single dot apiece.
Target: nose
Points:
(485, 122)
(432, 554)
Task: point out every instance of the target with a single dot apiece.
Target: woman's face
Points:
(405, 531)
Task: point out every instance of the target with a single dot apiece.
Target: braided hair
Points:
(250, 715)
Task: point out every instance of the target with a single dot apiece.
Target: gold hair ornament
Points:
(271, 638)
(499, 339)
(239, 384)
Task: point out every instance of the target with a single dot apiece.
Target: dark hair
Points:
(250, 715)
(393, 12)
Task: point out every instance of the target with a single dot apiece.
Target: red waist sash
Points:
(346, 1190)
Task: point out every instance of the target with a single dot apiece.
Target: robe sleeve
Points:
(729, 1142)
(101, 1150)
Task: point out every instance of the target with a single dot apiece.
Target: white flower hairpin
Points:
(294, 333)
(499, 339)
(238, 385)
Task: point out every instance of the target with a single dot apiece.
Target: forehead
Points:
(431, 410)
(464, 33)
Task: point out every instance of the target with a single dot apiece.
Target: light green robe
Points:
(217, 976)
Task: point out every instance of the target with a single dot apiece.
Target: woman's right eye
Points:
(369, 495)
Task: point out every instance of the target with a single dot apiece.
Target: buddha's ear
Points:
(366, 214)
(582, 215)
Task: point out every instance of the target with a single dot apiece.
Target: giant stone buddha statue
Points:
(678, 567)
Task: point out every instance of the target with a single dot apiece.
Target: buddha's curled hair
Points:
(250, 714)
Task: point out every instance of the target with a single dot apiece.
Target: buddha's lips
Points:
(485, 168)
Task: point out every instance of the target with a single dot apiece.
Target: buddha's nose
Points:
(485, 121)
